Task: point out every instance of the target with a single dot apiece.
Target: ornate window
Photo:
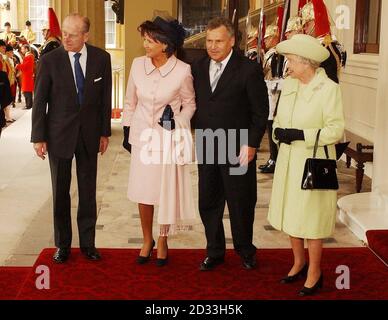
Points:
(37, 13)
(110, 26)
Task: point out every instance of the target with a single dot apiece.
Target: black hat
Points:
(172, 29)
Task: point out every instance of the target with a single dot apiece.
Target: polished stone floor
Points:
(26, 218)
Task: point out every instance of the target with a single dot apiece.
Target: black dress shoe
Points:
(270, 168)
(61, 255)
(142, 260)
(249, 263)
(91, 253)
(310, 291)
(265, 164)
(290, 279)
(210, 263)
(161, 262)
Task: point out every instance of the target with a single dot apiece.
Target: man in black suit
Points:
(231, 97)
(75, 82)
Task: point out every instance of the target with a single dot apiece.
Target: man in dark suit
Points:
(232, 101)
(75, 82)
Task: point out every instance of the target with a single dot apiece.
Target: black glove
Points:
(127, 146)
(167, 120)
(288, 135)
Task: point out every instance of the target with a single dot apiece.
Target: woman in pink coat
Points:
(156, 81)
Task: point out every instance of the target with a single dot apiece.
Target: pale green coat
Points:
(306, 214)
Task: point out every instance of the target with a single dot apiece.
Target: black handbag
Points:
(320, 174)
(126, 145)
(167, 120)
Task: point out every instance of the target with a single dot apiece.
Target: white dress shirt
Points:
(213, 66)
(82, 61)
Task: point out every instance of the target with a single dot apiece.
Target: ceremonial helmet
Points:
(294, 24)
(271, 31)
(252, 38)
(316, 10)
(52, 24)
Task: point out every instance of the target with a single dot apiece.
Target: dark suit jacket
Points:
(60, 124)
(240, 100)
(5, 96)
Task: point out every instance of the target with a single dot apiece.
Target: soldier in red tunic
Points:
(27, 68)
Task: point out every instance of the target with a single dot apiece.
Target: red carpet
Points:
(11, 281)
(117, 276)
(378, 242)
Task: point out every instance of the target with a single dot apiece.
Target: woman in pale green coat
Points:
(310, 101)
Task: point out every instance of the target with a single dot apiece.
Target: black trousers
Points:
(273, 148)
(217, 186)
(28, 97)
(87, 207)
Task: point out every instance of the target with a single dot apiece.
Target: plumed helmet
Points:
(271, 31)
(294, 24)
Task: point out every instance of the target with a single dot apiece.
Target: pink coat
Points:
(149, 90)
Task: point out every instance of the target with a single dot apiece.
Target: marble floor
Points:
(26, 210)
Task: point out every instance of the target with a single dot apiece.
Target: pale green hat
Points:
(304, 46)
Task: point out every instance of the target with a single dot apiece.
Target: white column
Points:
(369, 211)
(380, 168)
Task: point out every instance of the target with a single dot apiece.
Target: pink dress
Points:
(149, 90)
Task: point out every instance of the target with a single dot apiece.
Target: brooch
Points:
(318, 87)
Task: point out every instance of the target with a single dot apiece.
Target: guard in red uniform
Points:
(27, 68)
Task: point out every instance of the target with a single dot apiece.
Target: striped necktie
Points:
(217, 76)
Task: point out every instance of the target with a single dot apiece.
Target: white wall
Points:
(359, 80)
(380, 179)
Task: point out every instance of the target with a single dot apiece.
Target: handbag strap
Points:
(316, 146)
(277, 104)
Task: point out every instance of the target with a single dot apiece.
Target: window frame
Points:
(361, 44)
(108, 6)
(37, 22)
